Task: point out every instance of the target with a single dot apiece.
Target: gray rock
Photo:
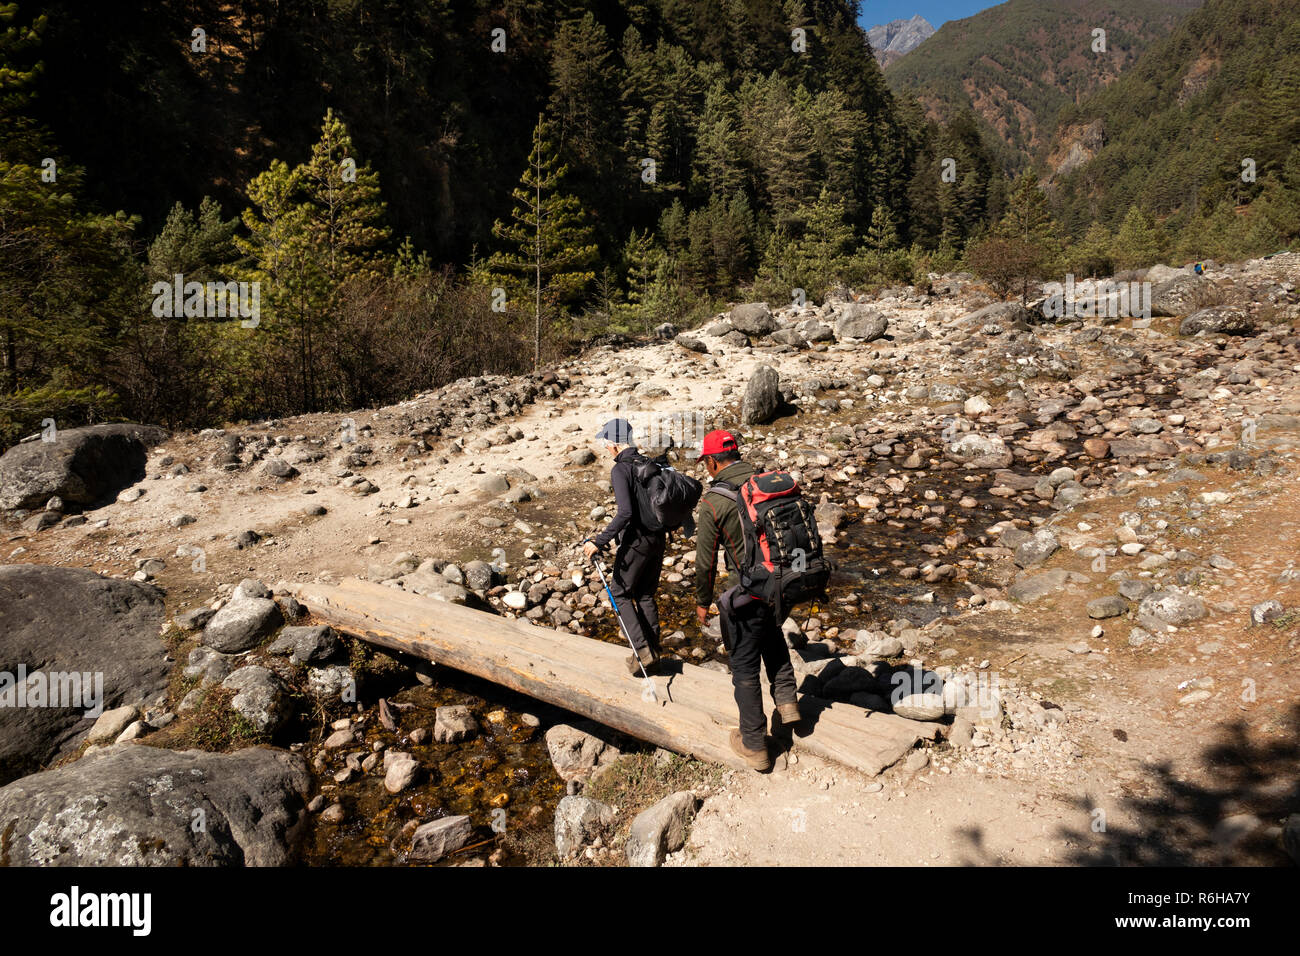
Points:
(1110, 606)
(1006, 315)
(1266, 611)
(691, 344)
(860, 322)
(454, 723)
(306, 645)
(1179, 295)
(1226, 321)
(82, 466)
(336, 682)
(131, 805)
(195, 620)
(576, 750)
(111, 723)
(762, 397)
(582, 456)
(660, 830)
(875, 644)
(400, 770)
(979, 451)
(1037, 549)
(261, 697)
(920, 707)
(478, 575)
(1033, 587)
(241, 624)
(279, 468)
(432, 841)
(209, 666)
(1172, 607)
(66, 621)
(789, 337)
(754, 318)
(577, 820)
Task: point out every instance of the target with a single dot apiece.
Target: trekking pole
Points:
(649, 684)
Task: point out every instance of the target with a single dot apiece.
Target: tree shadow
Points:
(1178, 822)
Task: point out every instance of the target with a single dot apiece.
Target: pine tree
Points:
(345, 216)
(882, 237)
(66, 277)
(548, 242)
(313, 230)
(1137, 243)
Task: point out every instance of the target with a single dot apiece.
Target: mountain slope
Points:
(895, 39)
(1017, 64)
(1172, 133)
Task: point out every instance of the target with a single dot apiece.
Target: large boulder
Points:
(242, 623)
(261, 697)
(578, 750)
(860, 322)
(754, 318)
(979, 451)
(578, 820)
(70, 621)
(1180, 295)
(762, 397)
(83, 466)
(660, 830)
(1004, 315)
(135, 805)
(1226, 321)
(1172, 606)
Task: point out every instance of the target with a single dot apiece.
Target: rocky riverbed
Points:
(1067, 542)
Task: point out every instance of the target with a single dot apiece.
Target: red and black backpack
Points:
(783, 563)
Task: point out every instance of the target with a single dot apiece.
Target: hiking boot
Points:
(789, 713)
(644, 658)
(758, 759)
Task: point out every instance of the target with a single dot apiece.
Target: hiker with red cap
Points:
(750, 630)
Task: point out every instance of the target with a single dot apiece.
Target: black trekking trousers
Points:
(635, 579)
(752, 637)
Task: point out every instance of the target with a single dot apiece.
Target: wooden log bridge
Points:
(694, 710)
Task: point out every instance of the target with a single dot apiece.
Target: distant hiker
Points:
(640, 555)
(750, 630)
(1200, 269)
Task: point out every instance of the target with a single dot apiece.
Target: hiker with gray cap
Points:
(639, 557)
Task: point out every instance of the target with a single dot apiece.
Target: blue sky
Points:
(936, 11)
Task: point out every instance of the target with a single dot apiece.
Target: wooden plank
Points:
(694, 711)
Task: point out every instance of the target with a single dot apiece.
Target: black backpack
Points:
(665, 497)
(784, 564)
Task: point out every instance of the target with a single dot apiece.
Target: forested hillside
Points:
(1019, 63)
(1206, 123)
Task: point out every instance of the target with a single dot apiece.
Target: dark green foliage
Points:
(1222, 88)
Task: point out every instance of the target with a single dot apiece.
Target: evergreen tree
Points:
(1137, 242)
(548, 243)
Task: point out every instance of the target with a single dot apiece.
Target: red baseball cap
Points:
(716, 442)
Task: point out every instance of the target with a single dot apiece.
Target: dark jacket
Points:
(718, 524)
(625, 523)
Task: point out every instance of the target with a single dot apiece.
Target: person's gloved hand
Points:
(589, 549)
(703, 614)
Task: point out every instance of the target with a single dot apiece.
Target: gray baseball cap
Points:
(617, 431)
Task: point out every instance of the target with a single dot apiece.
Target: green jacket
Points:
(717, 523)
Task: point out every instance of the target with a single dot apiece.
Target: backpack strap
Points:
(726, 489)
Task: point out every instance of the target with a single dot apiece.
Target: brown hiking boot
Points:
(758, 759)
(789, 712)
(644, 658)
